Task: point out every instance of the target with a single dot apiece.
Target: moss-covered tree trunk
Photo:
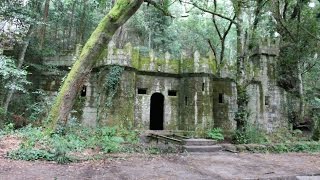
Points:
(119, 14)
(242, 58)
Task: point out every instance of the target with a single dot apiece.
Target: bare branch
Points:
(310, 66)
(228, 29)
(216, 27)
(310, 34)
(159, 7)
(210, 12)
(213, 50)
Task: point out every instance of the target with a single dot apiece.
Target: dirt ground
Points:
(221, 165)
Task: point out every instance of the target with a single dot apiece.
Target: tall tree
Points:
(44, 26)
(296, 25)
(118, 15)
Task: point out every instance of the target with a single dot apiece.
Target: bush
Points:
(74, 138)
(316, 129)
(251, 134)
(216, 134)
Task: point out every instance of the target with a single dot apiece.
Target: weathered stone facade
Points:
(183, 94)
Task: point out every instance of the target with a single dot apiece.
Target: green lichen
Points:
(144, 62)
(135, 58)
(175, 65)
(187, 65)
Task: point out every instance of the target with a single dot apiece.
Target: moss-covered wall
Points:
(224, 104)
(196, 104)
(156, 84)
(119, 111)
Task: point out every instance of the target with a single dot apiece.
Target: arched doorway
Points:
(156, 111)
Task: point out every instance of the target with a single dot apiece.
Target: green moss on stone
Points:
(175, 65)
(135, 58)
(187, 65)
(144, 62)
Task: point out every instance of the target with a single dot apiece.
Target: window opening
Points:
(266, 100)
(172, 93)
(83, 91)
(220, 98)
(142, 91)
(186, 100)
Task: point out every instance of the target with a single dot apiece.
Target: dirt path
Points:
(221, 165)
(193, 166)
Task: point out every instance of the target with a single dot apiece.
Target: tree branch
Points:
(159, 7)
(216, 27)
(214, 52)
(310, 34)
(310, 66)
(228, 29)
(210, 12)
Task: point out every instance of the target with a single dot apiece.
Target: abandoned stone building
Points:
(163, 93)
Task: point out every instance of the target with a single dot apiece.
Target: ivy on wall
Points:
(108, 90)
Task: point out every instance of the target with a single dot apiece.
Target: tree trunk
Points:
(45, 20)
(242, 99)
(20, 62)
(70, 42)
(301, 94)
(119, 14)
(82, 23)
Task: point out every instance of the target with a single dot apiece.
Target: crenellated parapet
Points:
(267, 46)
(132, 57)
(166, 63)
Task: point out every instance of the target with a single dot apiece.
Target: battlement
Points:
(148, 61)
(267, 46)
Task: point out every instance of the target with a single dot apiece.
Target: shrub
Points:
(74, 138)
(216, 134)
(251, 134)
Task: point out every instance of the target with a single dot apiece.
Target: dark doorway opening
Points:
(83, 91)
(156, 111)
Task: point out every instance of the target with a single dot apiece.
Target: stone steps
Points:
(199, 142)
(212, 148)
(201, 145)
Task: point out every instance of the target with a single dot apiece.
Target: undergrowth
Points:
(215, 134)
(302, 146)
(76, 138)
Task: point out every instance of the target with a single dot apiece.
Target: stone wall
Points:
(194, 98)
(267, 101)
(156, 84)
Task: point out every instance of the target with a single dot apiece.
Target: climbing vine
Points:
(111, 83)
(242, 114)
(109, 89)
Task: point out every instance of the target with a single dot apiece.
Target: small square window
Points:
(266, 100)
(83, 91)
(142, 91)
(220, 98)
(172, 93)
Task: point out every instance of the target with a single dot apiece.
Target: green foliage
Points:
(242, 114)
(316, 128)
(216, 134)
(283, 135)
(251, 134)
(109, 89)
(12, 78)
(8, 128)
(111, 83)
(74, 138)
(302, 146)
